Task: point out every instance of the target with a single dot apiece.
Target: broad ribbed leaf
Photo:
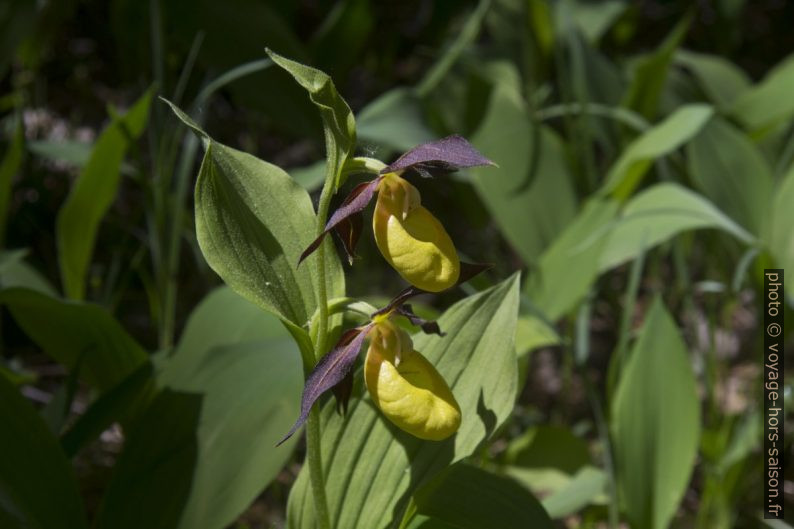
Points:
(231, 390)
(472, 498)
(340, 126)
(92, 195)
(658, 214)
(371, 466)
(655, 423)
(731, 172)
(662, 139)
(37, 485)
(252, 223)
(72, 331)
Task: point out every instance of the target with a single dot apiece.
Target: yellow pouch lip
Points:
(407, 388)
(411, 239)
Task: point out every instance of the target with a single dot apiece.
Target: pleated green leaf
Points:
(37, 484)
(92, 194)
(252, 223)
(371, 467)
(655, 423)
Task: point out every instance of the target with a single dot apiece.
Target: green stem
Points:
(316, 469)
(313, 433)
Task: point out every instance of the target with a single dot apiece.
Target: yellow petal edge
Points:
(407, 388)
(411, 239)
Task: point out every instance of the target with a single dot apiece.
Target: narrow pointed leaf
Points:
(447, 154)
(354, 203)
(92, 194)
(338, 120)
(329, 372)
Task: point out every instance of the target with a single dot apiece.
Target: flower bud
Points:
(411, 239)
(406, 387)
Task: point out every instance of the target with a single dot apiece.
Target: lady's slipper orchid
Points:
(402, 383)
(410, 238)
(406, 387)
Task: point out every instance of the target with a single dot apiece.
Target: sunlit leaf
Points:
(657, 214)
(655, 423)
(664, 138)
(371, 466)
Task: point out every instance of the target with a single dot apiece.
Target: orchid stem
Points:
(313, 432)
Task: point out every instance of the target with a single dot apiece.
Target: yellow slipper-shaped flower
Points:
(411, 239)
(406, 387)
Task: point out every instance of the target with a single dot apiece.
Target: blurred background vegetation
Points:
(558, 93)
